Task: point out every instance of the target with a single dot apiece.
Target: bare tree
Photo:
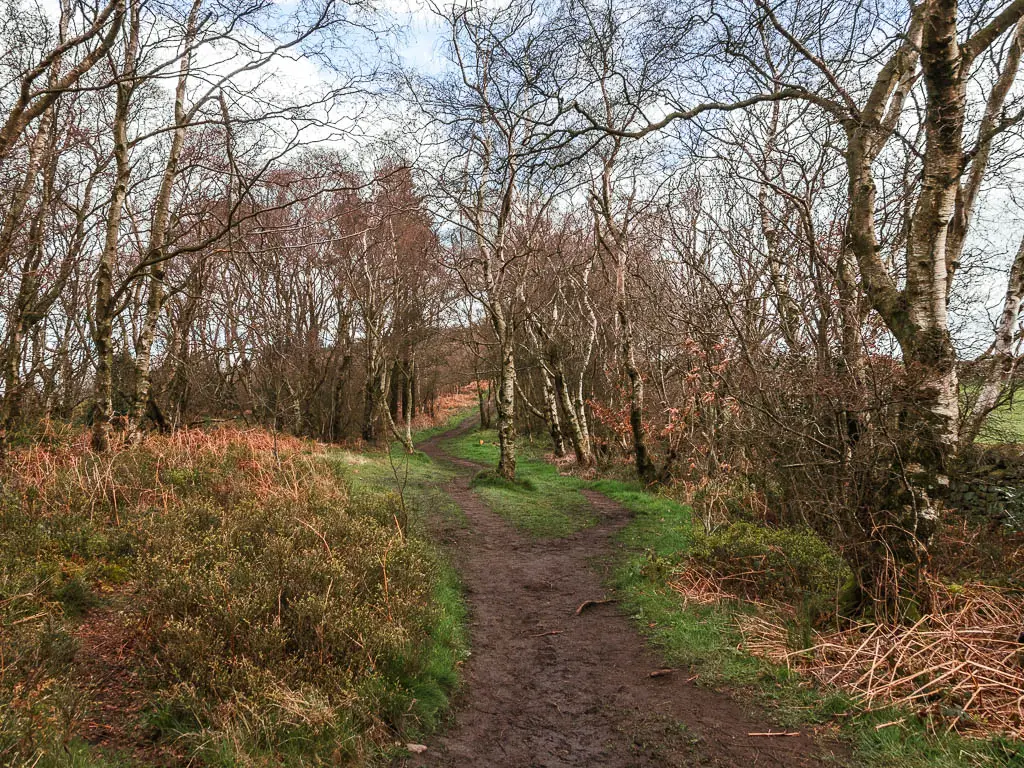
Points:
(497, 192)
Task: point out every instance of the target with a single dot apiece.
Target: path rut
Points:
(545, 687)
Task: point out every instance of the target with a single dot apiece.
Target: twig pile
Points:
(962, 665)
(766, 637)
(699, 586)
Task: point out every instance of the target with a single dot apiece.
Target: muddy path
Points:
(547, 687)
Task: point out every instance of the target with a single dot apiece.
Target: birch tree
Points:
(936, 57)
(495, 190)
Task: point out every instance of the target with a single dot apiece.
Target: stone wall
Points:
(989, 482)
(1004, 503)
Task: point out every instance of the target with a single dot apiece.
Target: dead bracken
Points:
(961, 666)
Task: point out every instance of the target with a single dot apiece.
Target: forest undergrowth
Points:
(227, 597)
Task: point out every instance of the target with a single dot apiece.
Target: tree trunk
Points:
(928, 348)
(778, 271)
(615, 240)
(645, 469)
(338, 398)
(370, 400)
(104, 309)
(548, 388)
(506, 406)
(144, 353)
(396, 391)
(407, 409)
(103, 405)
(932, 412)
(413, 392)
(577, 426)
(579, 401)
(156, 253)
(485, 416)
(852, 351)
(10, 406)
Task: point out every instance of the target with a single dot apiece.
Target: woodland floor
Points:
(549, 686)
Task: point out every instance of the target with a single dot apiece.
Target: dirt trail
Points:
(547, 687)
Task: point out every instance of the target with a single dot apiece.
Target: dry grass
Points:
(35, 466)
(699, 586)
(204, 592)
(960, 666)
(448, 405)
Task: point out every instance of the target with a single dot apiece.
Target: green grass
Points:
(420, 483)
(448, 648)
(417, 479)
(656, 541)
(705, 638)
(541, 502)
(1005, 424)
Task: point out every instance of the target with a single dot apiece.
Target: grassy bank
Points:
(218, 598)
(1005, 424)
(541, 501)
(426, 510)
(661, 543)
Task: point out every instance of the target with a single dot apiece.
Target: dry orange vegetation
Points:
(960, 665)
(206, 592)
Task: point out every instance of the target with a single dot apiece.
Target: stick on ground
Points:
(590, 603)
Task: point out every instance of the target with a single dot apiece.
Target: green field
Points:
(1005, 424)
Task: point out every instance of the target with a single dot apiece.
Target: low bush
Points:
(272, 615)
(772, 563)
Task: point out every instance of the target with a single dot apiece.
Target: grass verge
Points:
(418, 484)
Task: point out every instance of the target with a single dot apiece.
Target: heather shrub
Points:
(276, 616)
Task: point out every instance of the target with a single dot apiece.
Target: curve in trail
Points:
(547, 687)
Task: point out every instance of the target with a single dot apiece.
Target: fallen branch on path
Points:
(552, 632)
(591, 603)
(776, 733)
